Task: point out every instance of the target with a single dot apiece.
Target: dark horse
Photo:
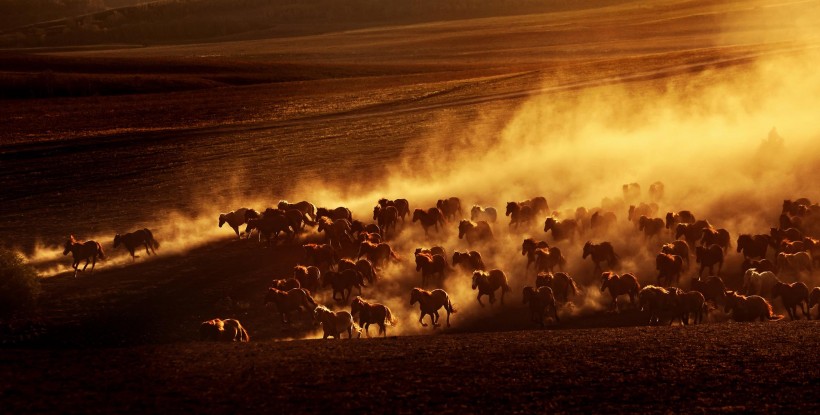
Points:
(89, 251)
(133, 240)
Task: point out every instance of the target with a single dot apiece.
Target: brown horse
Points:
(320, 254)
(335, 323)
(708, 257)
(488, 283)
(340, 212)
(656, 190)
(542, 304)
(625, 284)
(234, 219)
(343, 283)
(753, 246)
(814, 299)
(469, 261)
(335, 230)
(679, 248)
(363, 266)
(719, 237)
(635, 212)
(669, 268)
(691, 233)
(519, 215)
(228, 330)
(88, 251)
(271, 225)
(547, 259)
(651, 227)
(599, 253)
(372, 313)
(712, 288)
(749, 308)
(474, 231)
(305, 207)
(286, 284)
(436, 250)
(450, 207)
(478, 213)
(378, 254)
(431, 265)
(561, 283)
(309, 277)
(538, 205)
(430, 302)
(432, 217)
(690, 304)
(564, 229)
(289, 301)
(528, 248)
(601, 221)
(134, 239)
(793, 295)
(674, 219)
(402, 206)
(796, 263)
(387, 218)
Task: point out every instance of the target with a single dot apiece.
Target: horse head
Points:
(222, 219)
(463, 227)
(117, 240)
(587, 249)
(417, 214)
(415, 296)
(606, 279)
(68, 243)
(548, 224)
(478, 277)
(512, 207)
(376, 210)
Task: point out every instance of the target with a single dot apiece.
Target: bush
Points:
(19, 285)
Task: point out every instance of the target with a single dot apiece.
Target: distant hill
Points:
(183, 21)
(16, 13)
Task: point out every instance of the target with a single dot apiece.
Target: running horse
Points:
(88, 250)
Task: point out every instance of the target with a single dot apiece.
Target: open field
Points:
(565, 103)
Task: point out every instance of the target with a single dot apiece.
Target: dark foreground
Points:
(727, 367)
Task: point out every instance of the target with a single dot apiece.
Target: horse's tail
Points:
(100, 251)
(151, 239)
(450, 306)
(307, 220)
(308, 298)
(572, 286)
(389, 317)
(394, 255)
(505, 287)
(243, 335)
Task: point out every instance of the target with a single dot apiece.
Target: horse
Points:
(796, 263)
(690, 233)
(335, 323)
(357, 227)
(753, 246)
(814, 299)
(430, 302)
(625, 284)
(370, 237)
(474, 231)
(436, 250)
(320, 254)
(632, 191)
(708, 257)
(363, 266)
(271, 225)
(564, 229)
(712, 288)
(749, 308)
(792, 295)
(561, 283)
(691, 303)
(793, 247)
(469, 261)
(601, 222)
(450, 207)
(538, 205)
(478, 213)
(402, 206)
(432, 217)
(309, 277)
(234, 219)
(777, 236)
(658, 303)
(547, 259)
(635, 212)
(519, 215)
(796, 207)
(343, 283)
(674, 219)
(340, 212)
(669, 267)
(599, 253)
(387, 217)
(528, 248)
(718, 237)
(88, 250)
(759, 283)
(285, 284)
(335, 230)
(295, 217)
(679, 248)
(372, 313)
(651, 227)
(289, 301)
(305, 207)
(488, 283)
(656, 191)
(542, 302)
(378, 254)
(813, 248)
(228, 330)
(760, 264)
(430, 265)
(134, 239)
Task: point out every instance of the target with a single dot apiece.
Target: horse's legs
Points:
(448, 318)
(479, 299)
(93, 263)
(350, 332)
(435, 318)
(236, 229)
(421, 317)
(492, 298)
(382, 328)
(87, 260)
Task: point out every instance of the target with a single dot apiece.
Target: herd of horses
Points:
(355, 254)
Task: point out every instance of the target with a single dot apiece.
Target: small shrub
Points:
(19, 285)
